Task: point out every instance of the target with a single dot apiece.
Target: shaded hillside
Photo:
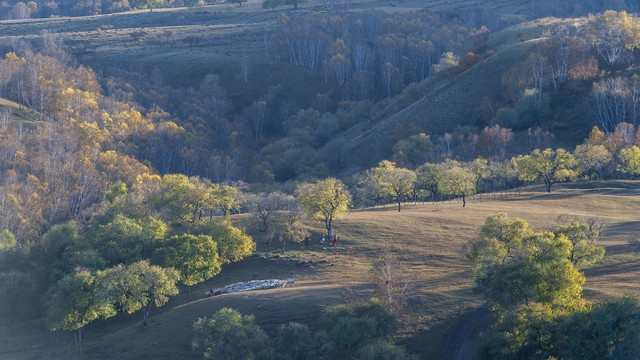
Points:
(450, 103)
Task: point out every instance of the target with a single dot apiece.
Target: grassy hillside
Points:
(14, 112)
(446, 103)
(428, 238)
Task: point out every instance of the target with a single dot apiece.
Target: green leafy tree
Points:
(224, 196)
(528, 332)
(77, 301)
(327, 199)
(139, 286)
(289, 227)
(126, 240)
(272, 4)
(630, 161)
(265, 210)
(549, 166)
(584, 250)
(181, 198)
(428, 178)
(229, 335)
(414, 150)
(447, 64)
(149, 4)
(382, 350)
(296, 342)
(7, 240)
(233, 243)
(481, 170)
(118, 189)
(44, 256)
(18, 294)
(295, 3)
(458, 181)
(81, 256)
(351, 327)
(609, 330)
(591, 159)
(518, 266)
(195, 257)
(394, 182)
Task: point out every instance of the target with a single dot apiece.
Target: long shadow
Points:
(627, 266)
(626, 229)
(545, 196)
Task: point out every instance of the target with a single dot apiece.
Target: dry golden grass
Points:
(428, 238)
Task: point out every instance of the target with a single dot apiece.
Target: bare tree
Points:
(611, 102)
(5, 116)
(244, 68)
(538, 66)
(390, 283)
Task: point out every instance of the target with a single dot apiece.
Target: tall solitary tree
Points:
(327, 200)
(458, 181)
(550, 166)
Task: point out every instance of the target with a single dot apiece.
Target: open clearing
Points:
(428, 238)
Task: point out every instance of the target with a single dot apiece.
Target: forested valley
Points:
(128, 184)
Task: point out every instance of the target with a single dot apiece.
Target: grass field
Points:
(428, 238)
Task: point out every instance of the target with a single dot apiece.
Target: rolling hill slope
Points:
(428, 238)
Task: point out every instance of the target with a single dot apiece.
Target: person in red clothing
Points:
(335, 240)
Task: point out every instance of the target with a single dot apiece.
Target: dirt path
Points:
(463, 342)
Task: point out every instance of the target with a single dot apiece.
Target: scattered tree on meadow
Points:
(428, 177)
(550, 166)
(288, 226)
(584, 250)
(394, 182)
(327, 200)
(457, 181)
(264, 209)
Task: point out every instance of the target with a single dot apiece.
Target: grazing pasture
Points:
(430, 241)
